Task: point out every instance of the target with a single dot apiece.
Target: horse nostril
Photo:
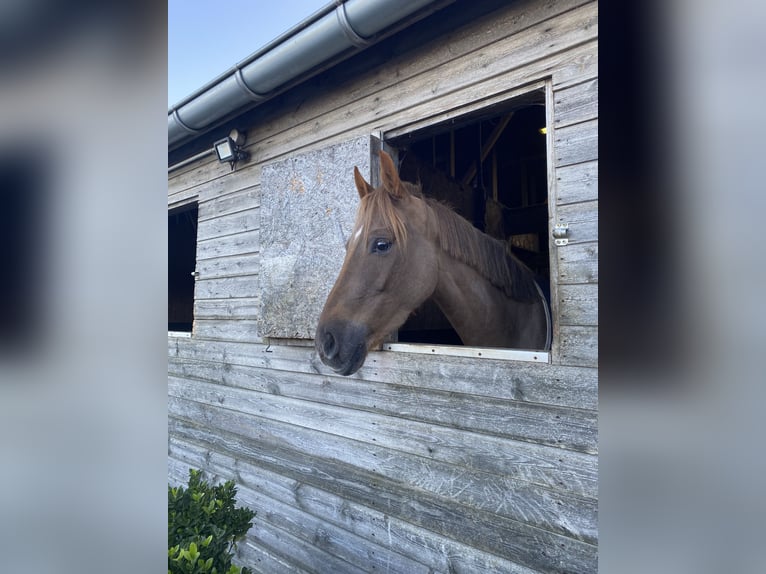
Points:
(330, 346)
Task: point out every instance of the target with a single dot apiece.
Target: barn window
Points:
(23, 235)
(182, 260)
(491, 166)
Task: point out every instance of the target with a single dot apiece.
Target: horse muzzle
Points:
(342, 346)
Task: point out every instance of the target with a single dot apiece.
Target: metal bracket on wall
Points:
(560, 231)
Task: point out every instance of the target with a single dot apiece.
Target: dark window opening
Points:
(492, 169)
(24, 227)
(182, 261)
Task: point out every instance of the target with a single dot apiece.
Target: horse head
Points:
(389, 270)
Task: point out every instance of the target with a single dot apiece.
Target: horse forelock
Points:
(380, 204)
(490, 257)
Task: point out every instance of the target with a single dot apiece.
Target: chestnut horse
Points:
(406, 248)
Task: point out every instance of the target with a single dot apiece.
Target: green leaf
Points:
(193, 552)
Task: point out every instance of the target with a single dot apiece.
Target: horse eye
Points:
(381, 246)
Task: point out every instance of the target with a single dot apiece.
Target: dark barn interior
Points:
(182, 255)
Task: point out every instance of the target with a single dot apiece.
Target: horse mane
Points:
(487, 255)
(459, 239)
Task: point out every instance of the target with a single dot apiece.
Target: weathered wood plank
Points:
(245, 286)
(229, 266)
(577, 143)
(226, 308)
(288, 451)
(576, 104)
(577, 182)
(579, 346)
(241, 200)
(223, 225)
(307, 556)
(510, 380)
(578, 304)
(437, 552)
(209, 170)
(567, 428)
(237, 244)
(434, 446)
(261, 561)
(312, 531)
(578, 263)
(200, 164)
(583, 222)
(226, 330)
(583, 66)
(183, 198)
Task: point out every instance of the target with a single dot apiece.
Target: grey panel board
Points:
(308, 206)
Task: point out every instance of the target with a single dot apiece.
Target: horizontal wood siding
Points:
(416, 463)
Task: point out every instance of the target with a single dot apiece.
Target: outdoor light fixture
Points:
(229, 149)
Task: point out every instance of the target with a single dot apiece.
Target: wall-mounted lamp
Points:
(229, 149)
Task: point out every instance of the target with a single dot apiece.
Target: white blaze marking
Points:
(358, 233)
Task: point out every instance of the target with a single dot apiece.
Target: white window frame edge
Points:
(523, 355)
(473, 352)
(180, 334)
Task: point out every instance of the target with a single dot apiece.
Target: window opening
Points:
(491, 168)
(182, 261)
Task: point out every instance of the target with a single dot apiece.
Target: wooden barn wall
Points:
(416, 463)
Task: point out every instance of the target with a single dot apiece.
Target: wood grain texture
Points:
(491, 379)
(229, 266)
(583, 222)
(377, 480)
(578, 304)
(226, 288)
(555, 426)
(579, 346)
(432, 445)
(577, 143)
(439, 553)
(577, 182)
(241, 243)
(236, 201)
(583, 66)
(576, 104)
(578, 263)
(230, 224)
(226, 330)
(226, 309)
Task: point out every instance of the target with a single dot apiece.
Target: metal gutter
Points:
(340, 29)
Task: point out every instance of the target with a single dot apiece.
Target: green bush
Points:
(204, 527)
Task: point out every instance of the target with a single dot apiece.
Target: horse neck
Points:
(476, 309)
(483, 314)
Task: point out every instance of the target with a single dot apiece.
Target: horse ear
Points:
(361, 185)
(390, 176)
